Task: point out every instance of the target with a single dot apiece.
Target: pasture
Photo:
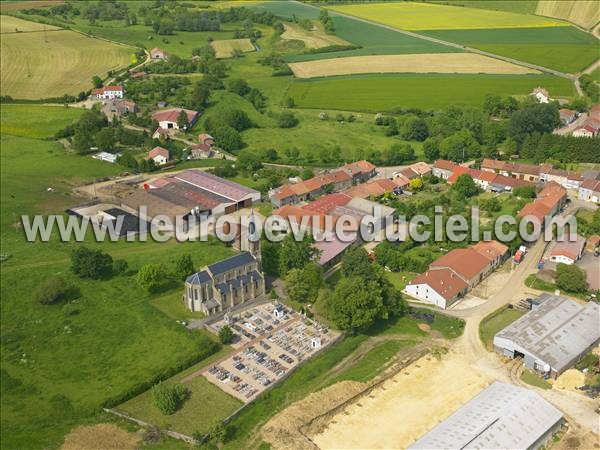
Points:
(10, 24)
(562, 48)
(429, 16)
(423, 63)
(226, 47)
(61, 362)
(515, 6)
(287, 9)
(38, 65)
(432, 91)
(36, 121)
(315, 38)
(14, 5)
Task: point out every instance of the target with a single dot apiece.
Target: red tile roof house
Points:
(568, 252)
(467, 263)
(108, 92)
(201, 151)
(527, 172)
(443, 168)
(360, 171)
(167, 119)
(567, 116)
(156, 54)
(206, 139)
(548, 203)
(159, 155)
(441, 287)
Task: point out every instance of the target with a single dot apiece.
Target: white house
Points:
(541, 95)
(443, 168)
(441, 287)
(589, 191)
(157, 54)
(159, 155)
(167, 119)
(108, 92)
(584, 131)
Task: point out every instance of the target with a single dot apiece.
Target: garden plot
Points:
(421, 63)
(271, 340)
(226, 47)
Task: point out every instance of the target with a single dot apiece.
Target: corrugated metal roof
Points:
(501, 416)
(556, 332)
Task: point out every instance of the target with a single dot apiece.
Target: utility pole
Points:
(45, 35)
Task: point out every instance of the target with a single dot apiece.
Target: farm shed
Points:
(501, 416)
(553, 336)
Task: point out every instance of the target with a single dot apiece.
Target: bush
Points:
(120, 266)
(51, 290)
(570, 278)
(225, 335)
(287, 120)
(152, 276)
(169, 397)
(88, 263)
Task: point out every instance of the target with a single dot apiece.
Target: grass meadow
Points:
(563, 48)
(61, 362)
(41, 65)
(36, 121)
(514, 6)
(496, 322)
(428, 16)
(432, 91)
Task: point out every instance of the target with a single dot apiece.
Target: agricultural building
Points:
(501, 416)
(553, 336)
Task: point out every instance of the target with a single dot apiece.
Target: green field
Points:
(373, 40)
(206, 405)
(60, 363)
(288, 9)
(562, 48)
(428, 16)
(35, 121)
(46, 65)
(383, 93)
(534, 379)
(514, 6)
(496, 322)
(374, 361)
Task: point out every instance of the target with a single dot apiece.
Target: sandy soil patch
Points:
(225, 47)
(404, 407)
(101, 436)
(424, 327)
(282, 431)
(422, 63)
(315, 38)
(570, 380)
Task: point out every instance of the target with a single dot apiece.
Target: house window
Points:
(195, 294)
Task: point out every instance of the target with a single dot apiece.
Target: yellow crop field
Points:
(585, 13)
(421, 63)
(315, 38)
(10, 24)
(225, 47)
(427, 16)
(34, 64)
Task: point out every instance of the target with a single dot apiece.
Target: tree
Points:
(415, 129)
(182, 120)
(356, 263)
(465, 187)
(571, 278)
(431, 148)
(88, 263)
(491, 205)
(168, 398)
(228, 138)
(524, 192)
(238, 86)
(355, 304)
(306, 173)
(302, 285)
(226, 335)
(218, 433)
(51, 290)
(459, 147)
(287, 120)
(184, 266)
(200, 96)
(152, 276)
(542, 118)
(416, 184)
(295, 254)
(105, 139)
(97, 82)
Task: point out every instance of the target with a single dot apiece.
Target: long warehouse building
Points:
(553, 336)
(500, 417)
